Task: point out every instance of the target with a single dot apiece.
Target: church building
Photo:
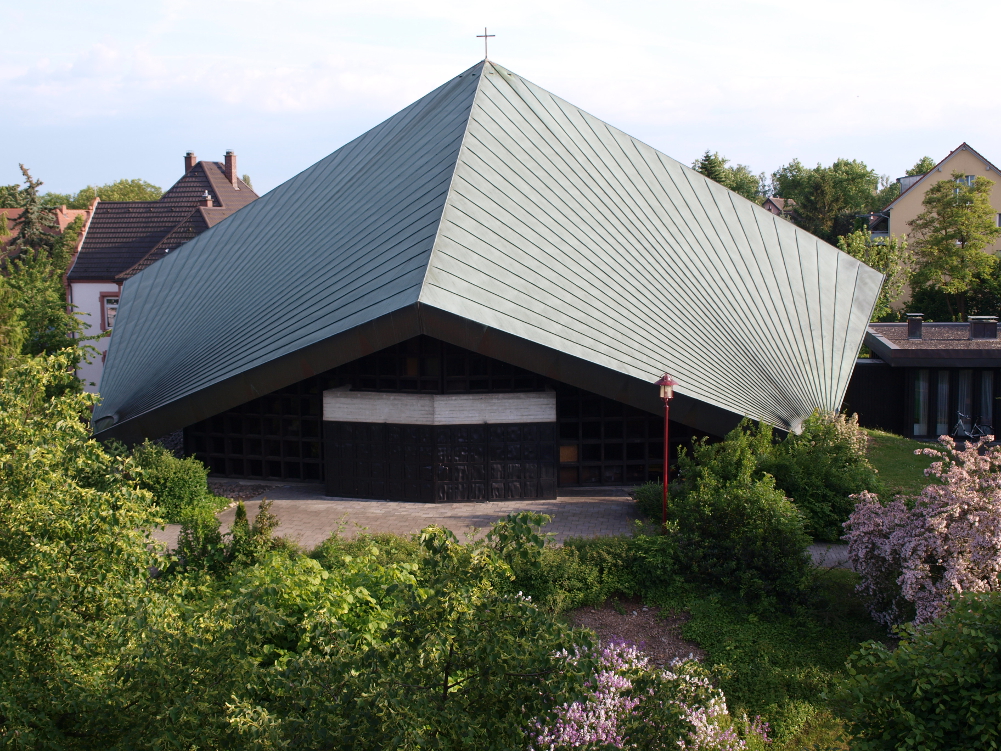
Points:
(473, 301)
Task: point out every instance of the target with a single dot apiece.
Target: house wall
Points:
(87, 299)
(908, 206)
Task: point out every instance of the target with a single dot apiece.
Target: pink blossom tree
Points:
(915, 556)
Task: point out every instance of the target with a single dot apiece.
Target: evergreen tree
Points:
(36, 226)
(950, 236)
(739, 179)
(10, 197)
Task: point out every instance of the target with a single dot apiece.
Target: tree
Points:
(832, 201)
(739, 178)
(246, 179)
(889, 257)
(10, 196)
(36, 225)
(950, 236)
(924, 165)
(120, 190)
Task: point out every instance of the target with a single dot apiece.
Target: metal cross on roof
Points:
(485, 36)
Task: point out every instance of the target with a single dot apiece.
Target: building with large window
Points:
(925, 380)
(474, 300)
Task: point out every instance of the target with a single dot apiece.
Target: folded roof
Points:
(492, 206)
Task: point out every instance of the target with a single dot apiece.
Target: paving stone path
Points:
(309, 517)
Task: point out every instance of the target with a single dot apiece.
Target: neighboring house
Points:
(64, 217)
(474, 300)
(783, 207)
(907, 206)
(923, 378)
(122, 238)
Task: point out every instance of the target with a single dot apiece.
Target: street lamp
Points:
(667, 385)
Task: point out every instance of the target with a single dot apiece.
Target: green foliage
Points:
(35, 282)
(442, 658)
(10, 196)
(175, 484)
(738, 178)
(733, 527)
(246, 179)
(780, 664)
(950, 236)
(922, 166)
(889, 257)
(120, 190)
(821, 468)
(939, 689)
(828, 199)
(74, 558)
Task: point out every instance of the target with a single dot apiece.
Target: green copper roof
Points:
(497, 203)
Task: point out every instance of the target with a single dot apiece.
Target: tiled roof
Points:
(124, 237)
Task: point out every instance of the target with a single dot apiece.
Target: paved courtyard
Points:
(309, 517)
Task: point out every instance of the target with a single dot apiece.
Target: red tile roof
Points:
(124, 237)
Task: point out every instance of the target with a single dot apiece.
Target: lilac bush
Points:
(914, 557)
(632, 704)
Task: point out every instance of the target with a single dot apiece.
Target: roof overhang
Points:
(397, 327)
(901, 357)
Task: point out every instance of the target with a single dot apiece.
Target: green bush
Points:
(733, 527)
(177, 485)
(939, 689)
(821, 468)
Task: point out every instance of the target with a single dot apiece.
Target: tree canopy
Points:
(120, 190)
(923, 165)
(738, 178)
(888, 256)
(832, 201)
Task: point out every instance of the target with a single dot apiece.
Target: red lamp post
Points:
(667, 385)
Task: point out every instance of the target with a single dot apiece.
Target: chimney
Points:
(206, 200)
(230, 169)
(189, 161)
(983, 327)
(914, 321)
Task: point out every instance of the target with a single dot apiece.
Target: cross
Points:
(485, 36)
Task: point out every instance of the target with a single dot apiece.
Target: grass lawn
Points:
(900, 469)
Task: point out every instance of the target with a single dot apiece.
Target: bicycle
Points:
(960, 432)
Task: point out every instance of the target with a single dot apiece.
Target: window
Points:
(942, 404)
(921, 402)
(110, 311)
(999, 220)
(967, 180)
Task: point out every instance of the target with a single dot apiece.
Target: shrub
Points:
(735, 528)
(176, 484)
(939, 689)
(631, 704)
(581, 572)
(821, 468)
(914, 558)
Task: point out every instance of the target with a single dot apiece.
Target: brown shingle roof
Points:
(124, 237)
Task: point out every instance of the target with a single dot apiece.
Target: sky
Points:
(108, 89)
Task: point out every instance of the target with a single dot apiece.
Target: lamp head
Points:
(667, 385)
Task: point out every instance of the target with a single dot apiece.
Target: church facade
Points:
(474, 300)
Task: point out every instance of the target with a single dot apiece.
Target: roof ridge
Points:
(455, 168)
